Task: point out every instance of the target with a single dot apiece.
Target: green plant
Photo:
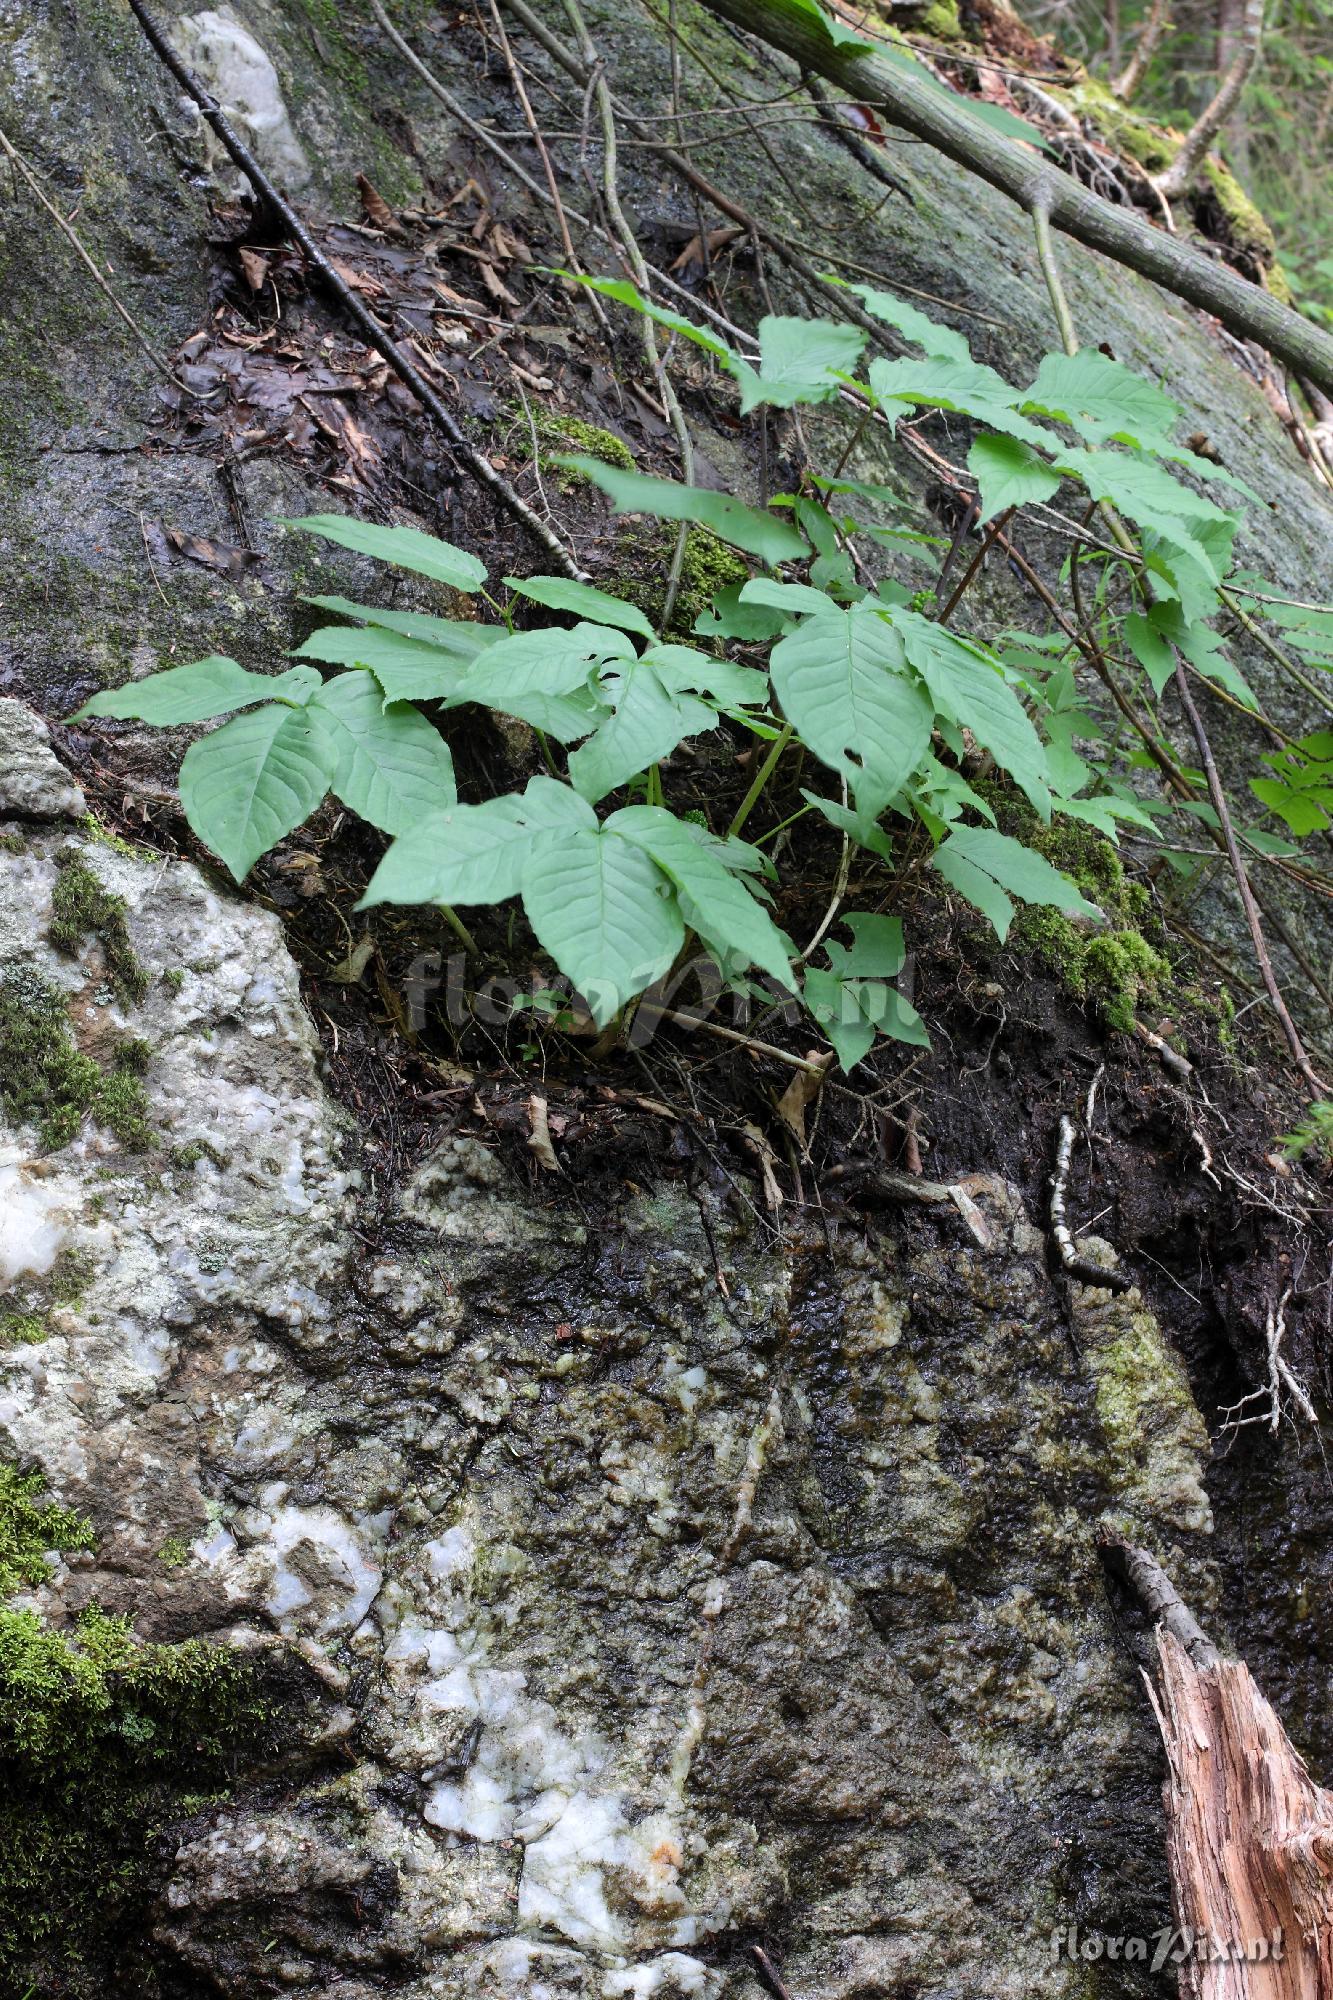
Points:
(891, 701)
(1314, 1134)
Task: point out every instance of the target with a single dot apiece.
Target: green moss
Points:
(566, 434)
(12, 843)
(104, 837)
(47, 1081)
(173, 979)
(710, 566)
(1247, 226)
(21, 1329)
(27, 1530)
(71, 1275)
(941, 20)
(174, 1552)
(99, 1737)
(1127, 130)
(81, 907)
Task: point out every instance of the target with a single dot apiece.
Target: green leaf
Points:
(465, 854)
(646, 723)
(1009, 474)
(728, 618)
(604, 911)
(839, 36)
(683, 670)
(1150, 649)
(629, 295)
(863, 828)
(969, 687)
(463, 636)
(735, 927)
(248, 784)
(797, 598)
(555, 660)
(891, 1014)
(561, 593)
(876, 952)
(547, 802)
(965, 386)
(842, 681)
(940, 343)
(406, 669)
(407, 547)
(800, 361)
(392, 765)
(198, 692)
(835, 1007)
(1005, 865)
(1101, 399)
(762, 535)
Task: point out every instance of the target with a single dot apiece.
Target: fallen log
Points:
(1249, 1833)
(907, 99)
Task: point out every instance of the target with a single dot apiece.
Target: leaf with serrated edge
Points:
(466, 854)
(392, 764)
(604, 911)
(969, 688)
(1009, 474)
(198, 692)
(722, 910)
(800, 361)
(842, 680)
(246, 786)
(408, 548)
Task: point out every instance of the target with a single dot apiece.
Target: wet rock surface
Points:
(645, 1622)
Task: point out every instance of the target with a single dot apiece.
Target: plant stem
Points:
(459, 928)
(1050, 270)
(761, 778)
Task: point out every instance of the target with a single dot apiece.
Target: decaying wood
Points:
(1249, 1833)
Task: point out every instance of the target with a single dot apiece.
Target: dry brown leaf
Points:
(539, 1134)
(768, 1164)
(716, 241)
(255, 268)
(800, 1094)
(221, 556)
(376, 209)
(348, 970)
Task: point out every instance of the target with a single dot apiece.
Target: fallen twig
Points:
(1075, 1264)
(476, 463)
(1246, 893)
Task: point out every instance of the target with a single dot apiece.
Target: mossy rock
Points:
(46, 1080)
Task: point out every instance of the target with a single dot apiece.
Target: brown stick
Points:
(1126, 84)
(1246, 893)
(912, 101)
(480, 467)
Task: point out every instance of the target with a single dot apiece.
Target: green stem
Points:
(459, 928)
(1050, 270)
(761, 778)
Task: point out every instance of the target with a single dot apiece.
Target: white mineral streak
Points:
(227, 59)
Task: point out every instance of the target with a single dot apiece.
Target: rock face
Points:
(645, 1620)
(610, 1618)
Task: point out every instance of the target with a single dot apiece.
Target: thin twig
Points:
(476, 463)
(639, 271)
(1074, 1262)
(1246, 893)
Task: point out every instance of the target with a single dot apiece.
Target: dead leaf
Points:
(768, 1164)
(255, 268)
(539, 1134)
(348, 971)
(376, 209)
(713, 244)
(221, 556)
(800, 1094)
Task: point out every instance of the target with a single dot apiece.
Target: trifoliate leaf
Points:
(736, 928)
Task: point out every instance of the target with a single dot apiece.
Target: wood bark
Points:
(1249, 1838)
(912, 102)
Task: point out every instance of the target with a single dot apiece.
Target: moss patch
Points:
(565, 434)
(81, 906)
(47, 1081)
(21, 1329)
(710, 566)
(28, 1529)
